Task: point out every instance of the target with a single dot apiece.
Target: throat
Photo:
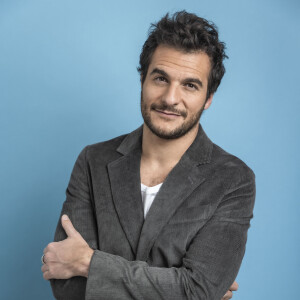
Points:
(153, 173)
(150, 182)
(160, 156)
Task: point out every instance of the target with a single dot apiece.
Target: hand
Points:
(229, 293)
(68, 258)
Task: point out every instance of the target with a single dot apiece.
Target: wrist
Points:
(85, 262)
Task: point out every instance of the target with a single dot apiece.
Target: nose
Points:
(172, 95)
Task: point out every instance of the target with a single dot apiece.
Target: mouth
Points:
(167, 113)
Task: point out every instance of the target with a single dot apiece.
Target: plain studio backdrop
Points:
(68, 78)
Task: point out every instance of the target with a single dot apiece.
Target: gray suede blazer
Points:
(191, 244)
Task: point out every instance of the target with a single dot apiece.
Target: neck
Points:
(164, 151)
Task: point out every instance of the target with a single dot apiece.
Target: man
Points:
(113, 241)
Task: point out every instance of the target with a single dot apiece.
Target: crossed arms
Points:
(205, 272)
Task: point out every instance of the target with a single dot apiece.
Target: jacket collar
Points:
(132, 141)
(199, 152)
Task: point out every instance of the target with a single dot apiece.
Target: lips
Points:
(168, 113)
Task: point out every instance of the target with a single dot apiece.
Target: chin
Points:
(169, 134)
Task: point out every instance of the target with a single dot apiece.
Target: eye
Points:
(160, 79)
(191, 86)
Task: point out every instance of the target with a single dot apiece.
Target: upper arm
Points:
(215, 254)
(78, 206)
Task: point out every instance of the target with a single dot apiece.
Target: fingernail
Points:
(65, 217)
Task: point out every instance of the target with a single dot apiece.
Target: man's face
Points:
(174, 91)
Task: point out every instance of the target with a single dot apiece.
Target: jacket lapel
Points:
(124, 174)
(180, 183)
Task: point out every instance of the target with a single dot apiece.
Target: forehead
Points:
(179, 63)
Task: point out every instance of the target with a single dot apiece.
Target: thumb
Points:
(234, 286)
(68, 226)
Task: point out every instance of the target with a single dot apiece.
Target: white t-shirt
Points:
(148, 195)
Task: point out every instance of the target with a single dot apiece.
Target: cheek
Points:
(152, 93)
(194, 106)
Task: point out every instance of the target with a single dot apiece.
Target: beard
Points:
(189, 121)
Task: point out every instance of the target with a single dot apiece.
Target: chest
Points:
(168, 246)
(154, 174)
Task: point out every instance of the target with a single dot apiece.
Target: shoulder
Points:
(104, 151)
(239, 188)
(109, 145)
(230, 167)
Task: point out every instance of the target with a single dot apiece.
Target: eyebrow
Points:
(159, 71)
(193, 80)
(186, 80)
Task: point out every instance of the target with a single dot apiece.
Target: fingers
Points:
(234, 286)
(227, 296)
(46, 273)
(44, 268)
(50, 247)
(68, 226)
(48, 256)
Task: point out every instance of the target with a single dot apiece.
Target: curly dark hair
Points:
(188, 33)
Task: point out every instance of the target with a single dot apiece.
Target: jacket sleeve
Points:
(209, 266)
(78, 207)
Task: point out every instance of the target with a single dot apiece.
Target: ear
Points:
(208, 101)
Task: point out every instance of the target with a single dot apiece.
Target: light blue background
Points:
(68, 78)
